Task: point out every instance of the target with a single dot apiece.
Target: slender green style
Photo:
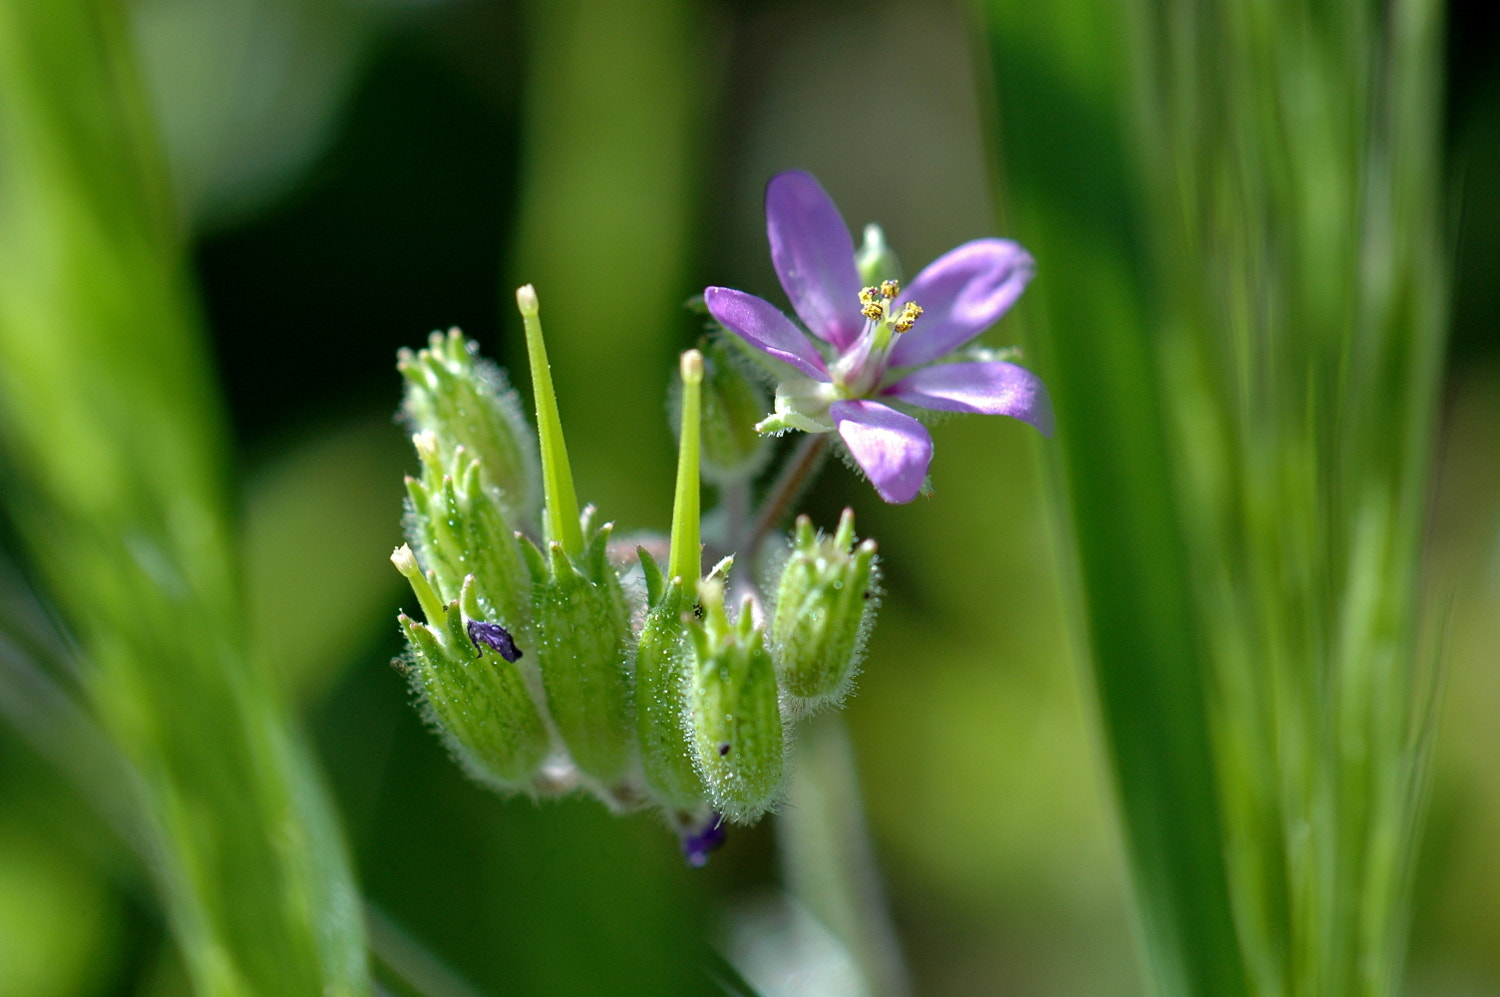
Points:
(561, 513)
(685, 559)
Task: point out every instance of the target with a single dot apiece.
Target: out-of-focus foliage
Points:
(1246, 473)
(113, 441)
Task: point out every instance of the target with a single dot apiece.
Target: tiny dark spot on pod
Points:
(495, 637)
(723, 749)
(868, 594)
(697, 611)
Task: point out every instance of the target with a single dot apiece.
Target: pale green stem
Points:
(686, 559)
(562, 522)
(828, 860)
(796, 476)
(413, 962)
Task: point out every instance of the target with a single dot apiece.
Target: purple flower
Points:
(879, 343)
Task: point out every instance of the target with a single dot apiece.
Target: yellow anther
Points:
(873, 310)
(889, 289)
(908, 316)
(868, 295)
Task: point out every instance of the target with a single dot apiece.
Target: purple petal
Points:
(706, 837)
(892, 449)
(814, 257)
(762, 325)
(962, 293)
(991, 388)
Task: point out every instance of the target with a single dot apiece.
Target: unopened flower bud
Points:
(732, 405)
(466, 401)
(474, 695)
(876, 261)
(824, 607)
(582, 632)
(737, 734)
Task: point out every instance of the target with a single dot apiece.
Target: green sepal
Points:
(534, 559)
(459, 528)
(738, 745)
(595, 558)
(477, 701)
(651, 572)
(663, 659)
(582, 634)
(465, 400)
(824, 608)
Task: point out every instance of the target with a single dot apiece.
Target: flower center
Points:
(860, 369)
(875, 304)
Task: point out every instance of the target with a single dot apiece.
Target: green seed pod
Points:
(737, 734)
(466, 401)
(460, 529)
(470, 687)
(732, 405)
(582, 634)
(662, 655)
(663, 658)
(824, 607)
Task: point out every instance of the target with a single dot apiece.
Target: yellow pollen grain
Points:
(889, 289)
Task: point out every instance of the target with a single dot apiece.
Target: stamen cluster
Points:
(875, 305)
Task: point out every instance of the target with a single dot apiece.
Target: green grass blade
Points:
(1244, 418)
(115, 466)
(1068, 182)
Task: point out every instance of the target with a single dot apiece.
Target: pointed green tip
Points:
(527, 302)
(691, 367)
(844, 538)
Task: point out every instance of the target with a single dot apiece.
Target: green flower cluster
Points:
(549, 662)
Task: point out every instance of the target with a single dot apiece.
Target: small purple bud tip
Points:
(698, 844)
(495, 637)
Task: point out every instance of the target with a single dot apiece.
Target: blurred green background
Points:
(355, 173)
